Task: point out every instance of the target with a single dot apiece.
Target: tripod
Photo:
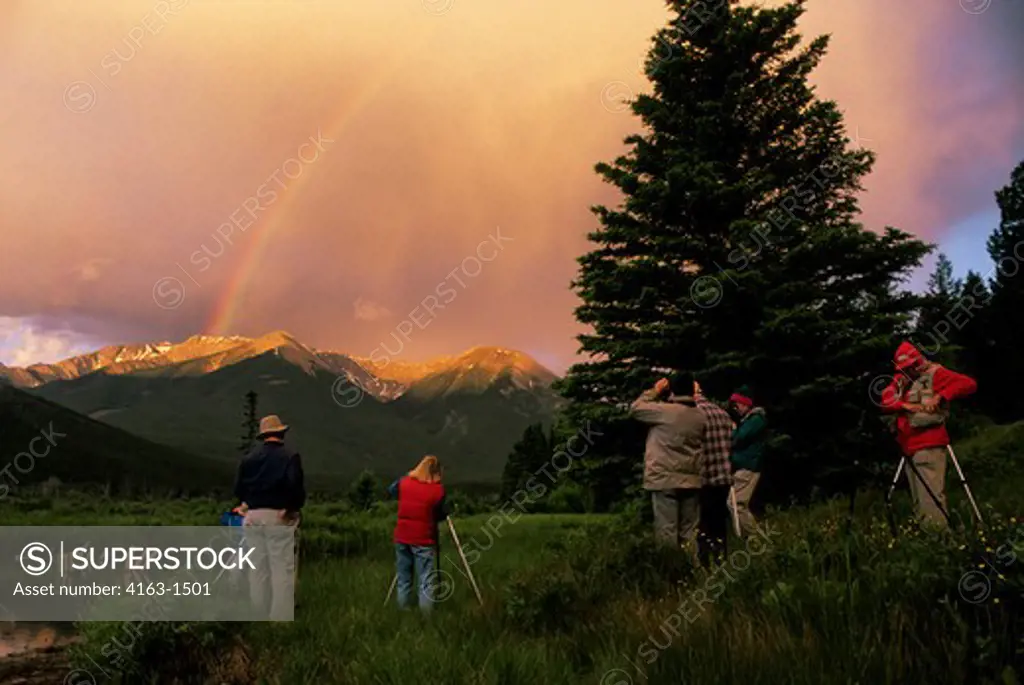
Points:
(437, 566)
(935, 498)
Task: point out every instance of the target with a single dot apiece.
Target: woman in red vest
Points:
(421, 505)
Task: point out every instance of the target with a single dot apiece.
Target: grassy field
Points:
(589, 599)
(567, 602)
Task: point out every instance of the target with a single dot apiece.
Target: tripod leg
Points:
(963, 481)
(895, 479)
(890, 514)
(391, 590)
(469, 572)
(935, 498)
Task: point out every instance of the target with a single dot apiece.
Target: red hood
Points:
(906, 355)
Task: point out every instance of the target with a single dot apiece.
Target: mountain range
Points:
(347, 413)
(40, 440)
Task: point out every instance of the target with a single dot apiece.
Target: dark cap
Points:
(681, 382)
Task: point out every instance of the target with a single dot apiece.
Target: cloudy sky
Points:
(324, 167)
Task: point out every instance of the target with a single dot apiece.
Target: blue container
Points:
(230, 518)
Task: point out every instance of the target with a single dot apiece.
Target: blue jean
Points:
(423, 558)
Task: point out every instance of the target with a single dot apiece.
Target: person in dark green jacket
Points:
(747, 453)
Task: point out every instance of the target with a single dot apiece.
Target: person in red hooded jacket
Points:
(920, 394)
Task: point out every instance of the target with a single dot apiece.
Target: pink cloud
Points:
(447, 126)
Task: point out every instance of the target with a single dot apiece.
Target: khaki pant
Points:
(931, 464)
(273, 543)
(744, 483)
(676, 516)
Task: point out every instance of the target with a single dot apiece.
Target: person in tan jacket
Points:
(673, 458)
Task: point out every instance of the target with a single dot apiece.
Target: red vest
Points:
(416, 504)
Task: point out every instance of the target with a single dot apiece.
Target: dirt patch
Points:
(39, 655)
(227, 664)
(234, 666)
(34, 655)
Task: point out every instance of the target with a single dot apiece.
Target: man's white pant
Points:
(273, 545)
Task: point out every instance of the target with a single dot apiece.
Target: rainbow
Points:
(227, 307)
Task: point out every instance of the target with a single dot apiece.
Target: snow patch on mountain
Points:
(474, 370)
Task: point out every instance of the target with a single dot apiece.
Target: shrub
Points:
(585, 570)
(364, 491)
(462, 503)
(164, 651)
(567, 498)
(994, 453)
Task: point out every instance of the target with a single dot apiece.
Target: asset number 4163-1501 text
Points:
(172, 589)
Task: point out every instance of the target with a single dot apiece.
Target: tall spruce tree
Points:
(250, 424)
(1006, 247)
(736, 253)
(530, 453)
(973, 327)
(937, 331)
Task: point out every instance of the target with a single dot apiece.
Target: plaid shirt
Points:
(716, 468)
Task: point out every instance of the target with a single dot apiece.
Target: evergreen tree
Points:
(250, 424)
(363, 491)
(1006, 247)
(528, 455)
(973, 326)
(736, 254)
(938, 322)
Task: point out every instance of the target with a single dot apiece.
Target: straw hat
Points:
(271, 424)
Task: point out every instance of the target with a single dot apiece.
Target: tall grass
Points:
(590, 599)
(596, 602)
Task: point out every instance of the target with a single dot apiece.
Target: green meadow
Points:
(571, 598)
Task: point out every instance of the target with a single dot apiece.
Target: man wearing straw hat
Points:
(271, 487)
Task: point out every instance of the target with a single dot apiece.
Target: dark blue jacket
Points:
(270, 477)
